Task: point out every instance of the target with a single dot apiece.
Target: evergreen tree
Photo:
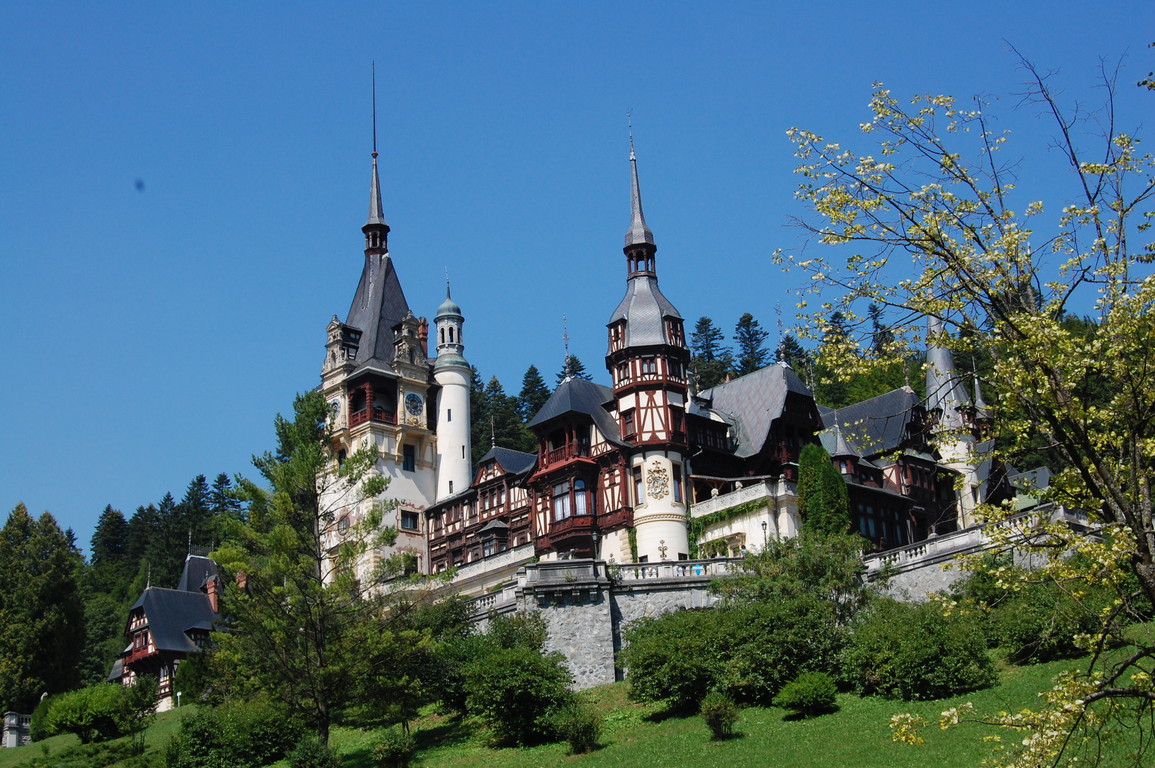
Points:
(709, 357)
(508, 430)
(293, 622)
(109, 540)
(572, 368)
(480, 434)
(195, 514)
(823, 501)
(750, 339)
(533, 394)
(41, 610)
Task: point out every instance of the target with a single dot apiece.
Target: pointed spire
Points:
(638, 233)
(375, 228)
(944, 391)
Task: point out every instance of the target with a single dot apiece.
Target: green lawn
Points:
(857, 736)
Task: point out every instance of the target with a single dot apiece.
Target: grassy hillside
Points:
(856, 736)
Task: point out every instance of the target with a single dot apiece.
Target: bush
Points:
(516, 692)
(809, 694)
(99, 712)
(721, 715)
(580, 725)
(674, 658)
(239, 733)
(396, 749)
(909, 652)
(310, 753)
(1039, 623)
(38, 727)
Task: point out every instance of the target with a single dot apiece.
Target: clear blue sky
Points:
(184, 186)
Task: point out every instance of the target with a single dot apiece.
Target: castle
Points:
(645, 469)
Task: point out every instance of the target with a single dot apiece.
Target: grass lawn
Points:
(857, 735)
(635, 735)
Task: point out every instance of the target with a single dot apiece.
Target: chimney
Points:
(212, 588)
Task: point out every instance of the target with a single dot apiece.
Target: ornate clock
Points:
(413, 403)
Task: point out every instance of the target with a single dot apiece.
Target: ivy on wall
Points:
(698, 525)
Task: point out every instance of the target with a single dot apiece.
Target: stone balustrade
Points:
(756, 490)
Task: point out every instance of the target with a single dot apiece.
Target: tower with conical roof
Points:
(648, 361)
(453, 375)
(376, 378)
(953, 432)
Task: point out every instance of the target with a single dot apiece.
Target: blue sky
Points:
(184, 186)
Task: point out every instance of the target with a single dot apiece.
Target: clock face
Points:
(413, 403)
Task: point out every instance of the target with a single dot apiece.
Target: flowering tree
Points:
(930, 224)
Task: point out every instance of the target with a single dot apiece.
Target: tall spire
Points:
(944, 390)
(375, 228)
(638, 233)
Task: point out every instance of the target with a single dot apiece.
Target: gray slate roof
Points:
(580, 396)
(513, 462)
(197, 571)
(378, 306)
(171, 612)
(644, 309)
(753, 402)
(876, 425)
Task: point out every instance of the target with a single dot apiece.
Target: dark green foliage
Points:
(795, 355)
(580, 725)
(196, 679)
(396, 749)
(38, 727)
(104, 620)
(41, 610)
(496, 418)
(100, 712)
(823, 501)
(750, 345)
(516, 692)
(809, 694)
(292, 624)
(904, 651)
(241, 734)
(710, 359)
(675, 658)
(1039, 619)
(721, 715)
(533, 395)
(310, 753)
(572, 368)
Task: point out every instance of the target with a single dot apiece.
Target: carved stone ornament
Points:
(658, 481)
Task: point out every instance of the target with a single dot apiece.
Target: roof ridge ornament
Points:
(376, 219)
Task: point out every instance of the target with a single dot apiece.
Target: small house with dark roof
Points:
(165, 626)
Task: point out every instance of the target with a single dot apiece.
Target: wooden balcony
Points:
(565, 453)
(616, 519)
(378, 415)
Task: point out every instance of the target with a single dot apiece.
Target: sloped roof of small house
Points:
(753, 402)
(513, 462)
(170, 613)
(876, 425)
(576, 395)
(197, 570)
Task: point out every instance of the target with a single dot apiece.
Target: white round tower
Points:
(453, 375)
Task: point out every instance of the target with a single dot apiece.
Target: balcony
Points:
(619, 517)
(752, 489)
(378, 415)
(566, 452)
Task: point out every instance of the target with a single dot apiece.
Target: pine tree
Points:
(750, 339)
(823, 501)
(710, 359)
(479, 411)
(572, 368)
(508, 430)
(41, 610)
(533, 394)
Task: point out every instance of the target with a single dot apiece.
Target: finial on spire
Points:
(638, 233)
(376, 219)
(492, 433)
(630, 127)
(565, 336)
(447, 293)
(781, 333)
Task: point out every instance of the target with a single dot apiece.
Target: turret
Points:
(453, 375)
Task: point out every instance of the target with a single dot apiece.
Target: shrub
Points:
(1039, 623)
(913, 652)
(580, 725)
(674, 658)
(38, 727)
(99, 712)
(809, 694)
(396, 749)
(516, 691)
(311, 753)
(239, 733)
(721, 715)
